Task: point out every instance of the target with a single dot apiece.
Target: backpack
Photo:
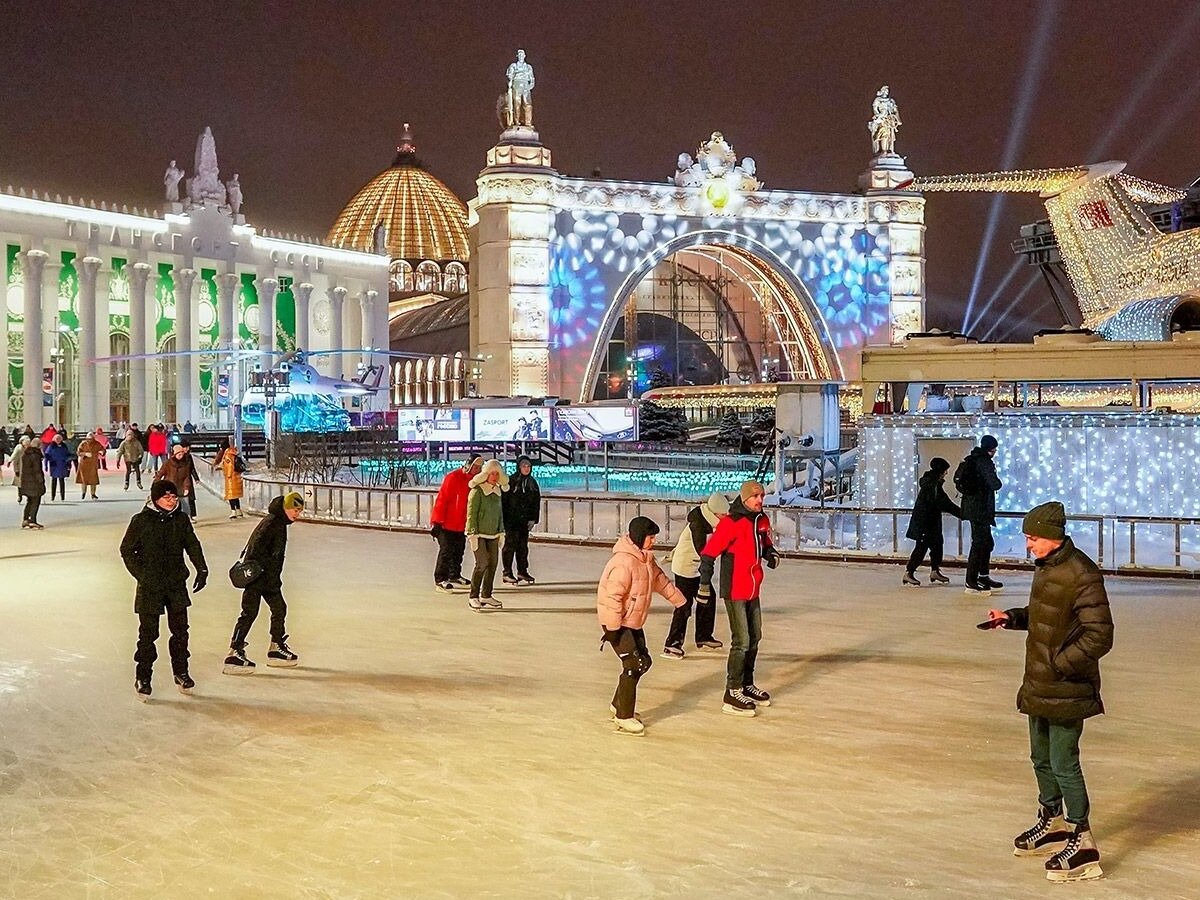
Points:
(966, 477)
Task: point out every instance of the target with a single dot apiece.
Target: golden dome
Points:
(423, 217)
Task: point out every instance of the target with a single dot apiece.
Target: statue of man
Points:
(171, 179)
(520, 92)
(884, 123)
(234, 189)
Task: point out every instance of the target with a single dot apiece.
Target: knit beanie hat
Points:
(718, 504)
(938, 465)
(749, 489)
(987, 442)
(641, 527)
(162, 487)
(1046, 521)
(293, 500)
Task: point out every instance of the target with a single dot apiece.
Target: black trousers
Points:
(235, 503)
(630, 646)
(191, 500)
(59, 485)
(31, 508)
(451, 547)
(516, 544)
(980, 557)
(706, 614)
(252, 598)
(135, 469)
(177, 646)
(932, 546)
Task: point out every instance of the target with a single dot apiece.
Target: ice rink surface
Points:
(425, 750)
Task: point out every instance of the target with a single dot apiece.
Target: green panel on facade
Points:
(164, 298)
(68, 293)
(247, 297)
(285, 316)
(206, 310)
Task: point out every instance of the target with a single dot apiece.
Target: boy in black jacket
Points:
(925, 527)
(267, 546)
(152, 551)
(522, 510)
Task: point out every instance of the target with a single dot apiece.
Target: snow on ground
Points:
(424, 750)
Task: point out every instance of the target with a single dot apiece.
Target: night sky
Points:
(306, 101)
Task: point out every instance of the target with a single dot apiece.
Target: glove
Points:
(474, 542)
(201, 581)
(434, 530)
(612, 636)
(772, 560)
(704, 593)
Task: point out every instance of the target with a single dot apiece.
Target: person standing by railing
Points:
(485, 531)
(925, 527)
(229, 460)
(522, 511)
(448, 525)
(978, 483)
(685, 566)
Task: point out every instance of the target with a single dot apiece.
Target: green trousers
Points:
(1054, 750)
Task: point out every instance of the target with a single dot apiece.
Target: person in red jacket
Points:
(742, 540)
(448, 525)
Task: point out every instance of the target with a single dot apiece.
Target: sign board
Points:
(595, 423)
(514, 423)
(424, 424)
(48, 386)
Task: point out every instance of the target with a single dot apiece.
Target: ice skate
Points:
(759, 696)
(142, 689)
(1079, 860)
(1048, 835)
(977, 590)
(613, 713)
(509, 579)
(233, 515)
(184, 683)
(525, 579)
(491, 603)
(475, 603)
(936, 577)
(710, 644)
(444, 587)
(280, 656)
(672, 653)
(910, 580)
(630, 726)
(237, 664)
(460, 581)
(990, 584)
(737, 703)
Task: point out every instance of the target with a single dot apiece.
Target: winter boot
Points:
(910, 580)
(280, 656)
(143, 689)
(1079, 860)
(237, 664)
(1047, 836)
(184, 683)
(630, 726)
(759, 696)
(736, 703)
(936, 577)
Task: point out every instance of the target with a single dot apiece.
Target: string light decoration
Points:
(1027, 181)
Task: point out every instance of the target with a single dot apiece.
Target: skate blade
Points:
(733, 711)
(142, 698)
(283, 663)
(619, 730)
(187, 692)
(237, 670)
(1084, 873)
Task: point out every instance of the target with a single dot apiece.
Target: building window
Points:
(429, 277)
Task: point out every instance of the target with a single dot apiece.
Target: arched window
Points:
(459, 376)
(409, 398)
(118, 345)
(402, 276)
(168, 379)
(454, 280)
(443, 380)
(429, 277)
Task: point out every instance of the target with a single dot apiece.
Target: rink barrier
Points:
(1127, 544)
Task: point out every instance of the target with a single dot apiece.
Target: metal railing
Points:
(1127, 544)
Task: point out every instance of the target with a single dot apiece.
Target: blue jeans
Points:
(745, 631)
(1054, 749)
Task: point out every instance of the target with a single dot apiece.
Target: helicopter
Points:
(1133, 282)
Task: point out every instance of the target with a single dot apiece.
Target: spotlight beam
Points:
(1017, 266)
(1180, 107)
(1021, 294)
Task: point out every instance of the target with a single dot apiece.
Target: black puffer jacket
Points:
(932, 501)
(152, 551)
(523, 499)
(1070, 627)
(32, 481)
(267, 546)
(979, 504)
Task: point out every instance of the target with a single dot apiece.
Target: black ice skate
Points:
(989, 583)
(143, 689)
(525, 579)
(759, 696)
(613, 713)
(461, 582)
(710, 644)
(736, 703)
(1048, 834)
(936, 577)
(910, 580)
(1079, 860)
(280, 656)
(184, 683)
(977, 589)
(672, 653)
(237, 664)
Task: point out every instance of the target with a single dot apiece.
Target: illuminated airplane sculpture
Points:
(1133, 282)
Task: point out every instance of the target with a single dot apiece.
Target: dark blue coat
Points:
(58, 460)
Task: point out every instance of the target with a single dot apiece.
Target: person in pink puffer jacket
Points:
(622, 603)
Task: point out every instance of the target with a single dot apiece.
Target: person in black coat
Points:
(266, 547)
(522, 511)
(152, 550)
(976, 480)
(31, 483)
(925, 527)
(1069, 628)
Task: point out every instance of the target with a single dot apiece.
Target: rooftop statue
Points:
(205, 186)
(715, 160)
(234, 187)
(884, 123)
(171, 179)
(515, 106)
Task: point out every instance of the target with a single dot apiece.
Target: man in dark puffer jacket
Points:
(1069, 628)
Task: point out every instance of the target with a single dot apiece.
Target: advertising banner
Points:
(517, 423)
(223, 391)
(422, 424)
(48, 386)
(595, 423)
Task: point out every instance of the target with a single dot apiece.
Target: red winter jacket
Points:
(450, 507)
(743, 540)
(157, 443)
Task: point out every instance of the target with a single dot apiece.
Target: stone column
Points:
(139, 342)
(87, 404)
(353, 336)
(52, 335)
(185, 390)
(337, 299)
(267, 288)
(104, 346)
(32, 263)
(226, 286)
(303, 293)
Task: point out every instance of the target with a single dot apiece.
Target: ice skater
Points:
(522, 511)
(925, 527)
(131, 452)
(622, 604)
(180, 470)
(267, 547)
(448, 525)
(977, 482)
(152, 550)
(1070, 628)
(87, 465)
(485, 531)
(685, 566)
(58, 460)
(31, 482)
(743, 542)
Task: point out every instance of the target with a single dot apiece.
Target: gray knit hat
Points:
(1046, 521)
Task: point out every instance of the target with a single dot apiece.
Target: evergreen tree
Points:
(657, 423)
(762, 424)
(730, 430)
